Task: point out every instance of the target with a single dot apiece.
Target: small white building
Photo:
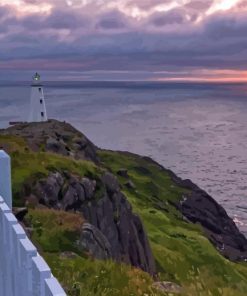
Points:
(37, 108)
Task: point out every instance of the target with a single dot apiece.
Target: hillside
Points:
(115, 223)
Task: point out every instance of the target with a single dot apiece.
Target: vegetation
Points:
(183, 255)
(55, 233)
(28, 166)
(182, 252)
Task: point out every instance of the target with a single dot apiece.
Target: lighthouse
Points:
(37, 107)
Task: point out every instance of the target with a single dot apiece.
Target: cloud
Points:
(199, 5)
(226, 25)
(112, 20)
(172, 17)
(103, 35)
(147, 4)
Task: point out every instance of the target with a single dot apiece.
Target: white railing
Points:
(23, 272)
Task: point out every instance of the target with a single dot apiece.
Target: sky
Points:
(195, 40)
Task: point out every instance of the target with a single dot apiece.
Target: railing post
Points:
(5, 178)
(22, 271)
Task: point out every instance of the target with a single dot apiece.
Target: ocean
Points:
(197, 130)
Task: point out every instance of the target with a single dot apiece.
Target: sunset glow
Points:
(210, 76)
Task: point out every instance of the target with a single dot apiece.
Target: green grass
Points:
(56, 232)
(100, 278)
(181, 251)
(28, 166)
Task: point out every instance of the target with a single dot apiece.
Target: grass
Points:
(181, 251)
(28, 166)
(100, 278)
(55, 233)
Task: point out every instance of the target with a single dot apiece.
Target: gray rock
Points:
(57, 137)
(89, 187)
(20, 213)
(68, 255)
(123, 173)
(130, 185)
(115, 232)
(93, 241)
(55, 146)
(70, 198)
(48, 190)
(199, 207)
(168, 287)
(110, 182)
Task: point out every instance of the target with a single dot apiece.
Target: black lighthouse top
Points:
(36, 80)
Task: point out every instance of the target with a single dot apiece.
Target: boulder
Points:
(48, 189)
(20, 213)
(123, 173)
(130, 185)
(89, 187)
(168, 287)
(110, 182)
(93, 241)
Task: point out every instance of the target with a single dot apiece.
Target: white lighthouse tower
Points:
(37, 108)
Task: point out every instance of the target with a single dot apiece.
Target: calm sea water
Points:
(197, 130)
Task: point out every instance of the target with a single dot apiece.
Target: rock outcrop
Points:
(112, 229)
(54, 136)
(199, 207)
(94, 242)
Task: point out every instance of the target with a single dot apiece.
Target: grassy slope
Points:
(57, 232)
(182, 253)
(55, 235)
(27, 165)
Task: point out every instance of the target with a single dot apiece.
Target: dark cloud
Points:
(114, 40)
(147, 4)
(199, 5)
(227, 26)
(60, 19)
(175, 16)
(112, 20)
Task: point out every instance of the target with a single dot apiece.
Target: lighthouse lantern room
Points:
(37, 108)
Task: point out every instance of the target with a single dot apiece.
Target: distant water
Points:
(197, 130)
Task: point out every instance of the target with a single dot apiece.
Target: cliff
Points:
(113, 231)
(134, 212)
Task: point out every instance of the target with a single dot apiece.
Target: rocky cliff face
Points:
(112, 229)
(199, 207)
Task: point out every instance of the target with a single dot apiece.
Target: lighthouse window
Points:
(42, 114)
(39, 89)
(41, 101)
